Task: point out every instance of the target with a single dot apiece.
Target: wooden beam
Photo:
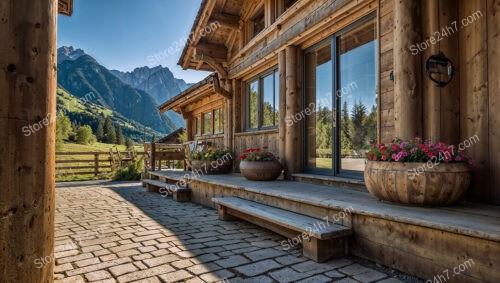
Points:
(221, 71)
(65, 7)
(221, 91)
(407, 70)
(237, 106)
(28, 57)
(226, 20)
(217, 51)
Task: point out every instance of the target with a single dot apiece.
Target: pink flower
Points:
(384, 157)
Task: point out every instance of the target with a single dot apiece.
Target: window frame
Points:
(260, 98)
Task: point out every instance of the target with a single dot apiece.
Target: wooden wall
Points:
(468, 106)
(248, 140)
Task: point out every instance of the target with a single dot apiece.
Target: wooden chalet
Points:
(285, 73)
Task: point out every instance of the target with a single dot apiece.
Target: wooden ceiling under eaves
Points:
(65, 7)
(211, 52)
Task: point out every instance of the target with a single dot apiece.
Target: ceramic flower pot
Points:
(261, 170)
(418, 184)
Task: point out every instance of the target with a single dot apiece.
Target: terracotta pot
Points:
(212, 167)
(428, 185)
(261, 170)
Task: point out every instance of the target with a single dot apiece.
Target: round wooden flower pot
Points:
(418, 184)
(261, 170)
(212, 167)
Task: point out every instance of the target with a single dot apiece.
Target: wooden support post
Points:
(431, 94)
(28, 63)
(282, 104)
(153, 156)
(96, 164)
(407, 70)
(228, 118)
(450, 95)
(189, 127)
(292, 134)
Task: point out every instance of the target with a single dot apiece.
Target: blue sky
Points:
(121, 34)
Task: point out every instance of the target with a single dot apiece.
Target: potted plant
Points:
(212, 161)
(260, 164)
(417, 172)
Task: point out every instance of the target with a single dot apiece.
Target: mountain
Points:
(158, 81)
(84, 75)
(68, 53)
(82, 111)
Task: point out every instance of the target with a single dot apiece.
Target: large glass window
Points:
(262, 100)
(340, 90)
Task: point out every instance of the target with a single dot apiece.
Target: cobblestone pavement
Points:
(118, 232)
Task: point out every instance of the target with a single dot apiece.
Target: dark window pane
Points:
(253, 104)
(268, 101)
(207, 123)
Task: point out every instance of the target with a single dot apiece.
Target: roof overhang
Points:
(65, 7)
(205, 87)
(207, 50)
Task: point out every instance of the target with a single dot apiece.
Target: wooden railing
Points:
(155, 153)
(86, 163)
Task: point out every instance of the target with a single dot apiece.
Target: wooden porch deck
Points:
(417, 240)
(471, 219)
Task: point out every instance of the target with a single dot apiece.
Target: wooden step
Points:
(179, 193)
(320, 239)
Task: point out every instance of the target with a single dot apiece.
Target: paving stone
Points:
(97, 275)
(222, 275)
(335, 274)
(264, 244)
(73, 279)
(316, 279)
(137, 275)
(370, 276)
(63, 267)
(148, 280)
(290, 259)
(390, 280)
(74, 258)
(354, 269)
(203, 268)
(232, 261)
(259, 279)
(346, 280)
(160, 260)
(86, 262)
(258, 267)
(312, 268)
(182, 264)
(176, 276)
(122, 269)
(287, 275)
(264, 253)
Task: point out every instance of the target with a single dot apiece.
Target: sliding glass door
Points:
(340, 90)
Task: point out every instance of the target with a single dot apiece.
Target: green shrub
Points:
(84, 135)
(131, 172)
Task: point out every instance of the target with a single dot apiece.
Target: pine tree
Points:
(128, 143)
(119, 135)
(109, 132)
(153, 138)
(357, 131)
(99, 133)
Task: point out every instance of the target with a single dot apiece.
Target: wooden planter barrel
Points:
(261, 170)
(212, 167)
(439, 185)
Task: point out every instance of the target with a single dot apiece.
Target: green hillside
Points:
(82, 111)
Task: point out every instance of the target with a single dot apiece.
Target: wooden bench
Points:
(179, 193)
(320, 239)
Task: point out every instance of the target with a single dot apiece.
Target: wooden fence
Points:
(86, 163)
